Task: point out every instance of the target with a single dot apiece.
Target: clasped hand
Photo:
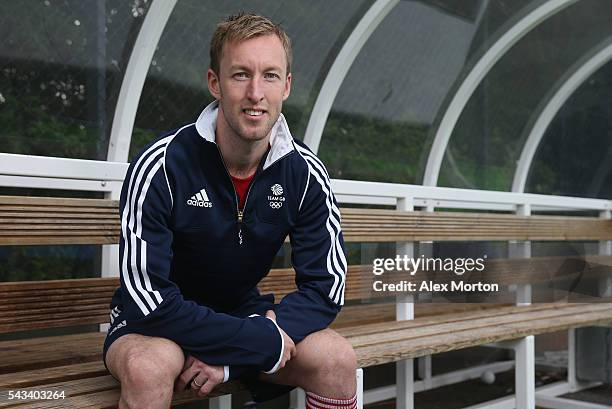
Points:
(202, 378)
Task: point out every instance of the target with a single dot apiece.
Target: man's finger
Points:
(207, 388)
(183, 380)
(186, 376)
(271, 314)
(188, 362)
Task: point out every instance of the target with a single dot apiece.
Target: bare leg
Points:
(325, 364)
(146, 368)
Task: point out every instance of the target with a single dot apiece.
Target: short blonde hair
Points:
(241, 27)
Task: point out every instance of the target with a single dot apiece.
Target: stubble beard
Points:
(251, 135)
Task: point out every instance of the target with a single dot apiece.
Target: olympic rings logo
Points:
(276, 205)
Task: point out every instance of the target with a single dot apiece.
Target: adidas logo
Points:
(200, 199)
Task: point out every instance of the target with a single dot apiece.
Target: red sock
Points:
(314, 401)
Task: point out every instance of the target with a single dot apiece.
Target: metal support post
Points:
(605, 249)
(359, 376)
(521, 249)
(424, 368)
(220, 402)
(404, 309)
(525, 373)
(298, 398)
(110, 252)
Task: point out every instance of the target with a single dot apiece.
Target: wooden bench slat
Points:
(67, 283)
(43, 295)
(500, 317)
(103, 393)
(9, 216)
(58, 201)
(82, 310)
(101, 300)
(57, 209)
(365, 225)
(99, 318)
(35, 353)
(53, 241)
(414, 348)
(45, 376)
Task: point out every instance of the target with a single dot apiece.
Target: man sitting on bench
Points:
(204, 211)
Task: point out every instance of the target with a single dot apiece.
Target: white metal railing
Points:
(45, 172)
(100, 176)
(349, 191)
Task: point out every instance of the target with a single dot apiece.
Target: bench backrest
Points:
(62, 303)
(34, 221)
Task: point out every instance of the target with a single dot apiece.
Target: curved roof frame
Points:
(565, 88)
(133, 81)
(475, 77)
(340, 67)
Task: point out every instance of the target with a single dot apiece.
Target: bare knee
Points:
(340, 363)
(146, 368)
(326, 364)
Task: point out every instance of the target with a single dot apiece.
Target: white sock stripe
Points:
(348, 401)
(333, 264)
(321, 402)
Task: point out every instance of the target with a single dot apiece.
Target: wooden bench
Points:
(72, 363)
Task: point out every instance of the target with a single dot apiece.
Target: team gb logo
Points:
(276, 201)
(277, 189)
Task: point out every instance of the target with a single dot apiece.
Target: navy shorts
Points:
(261, 391)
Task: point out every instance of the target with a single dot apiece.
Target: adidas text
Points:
(198, 203)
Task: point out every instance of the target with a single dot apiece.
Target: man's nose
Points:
(255, 90)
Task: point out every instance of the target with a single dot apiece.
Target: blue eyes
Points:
(267, 76)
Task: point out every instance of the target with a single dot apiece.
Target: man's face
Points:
(251, 86)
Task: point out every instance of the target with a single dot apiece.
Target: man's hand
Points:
(289, 351)
(198, 376)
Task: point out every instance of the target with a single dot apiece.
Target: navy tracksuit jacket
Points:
(188, 256)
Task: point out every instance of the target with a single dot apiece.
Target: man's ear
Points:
(213, 84)
(287, 87)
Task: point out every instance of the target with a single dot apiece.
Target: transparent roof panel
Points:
(175, 90)
(380, 120)
(488, 138)
(61, 67)
(575, 154)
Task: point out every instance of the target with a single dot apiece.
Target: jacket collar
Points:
(281, 141)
